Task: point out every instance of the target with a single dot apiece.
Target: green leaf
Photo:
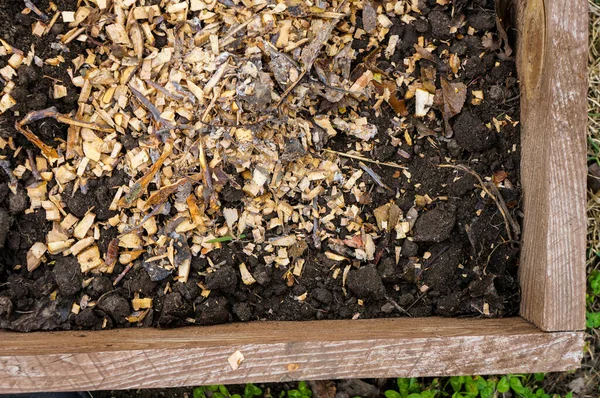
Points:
(486, 392)
(539, 376)
(218, 394)
(236, 396)
(415, 395)
(225, 239)
(503, 385)
(516, 385)
(403, 386)
(429, 393)
(212, 388)
(471, 386)
(457, 382)
(306, 392)
(480, 382)
(294, 394)
(392, 394)
(251, 391)
(594, 282)
(223, 390)
(414, 386)
(199, 392)
(569, 395)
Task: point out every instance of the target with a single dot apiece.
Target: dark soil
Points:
(459, 263)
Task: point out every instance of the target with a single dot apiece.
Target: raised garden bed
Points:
(551, 57)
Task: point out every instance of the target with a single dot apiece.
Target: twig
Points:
(53, 113)
(516, 97)
(207, 176)
(150, 106)
(364, 159)
(225, 239)
(315, 231)
(436, 256)
(509, 222)
(373, 175)
(416, 301)
(122, 274)
(29, 4)
(397, 306)
(177, 97)
(154, 211)
(48, 151)
(34, 169)
(140, 185)
(385, 242)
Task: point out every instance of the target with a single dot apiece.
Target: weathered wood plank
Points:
(552, 62)
(280, 351)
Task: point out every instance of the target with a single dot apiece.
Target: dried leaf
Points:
(398, 105)
(369, 17)
(453, 97)
(502, 15)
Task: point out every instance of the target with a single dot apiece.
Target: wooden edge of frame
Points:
(552, 63)
(280, 351)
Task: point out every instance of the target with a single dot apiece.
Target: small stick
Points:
(373, 175)
(416, 301)
(177, 97)
(122, 274)
(509, 222)
(53, 113)
(154, 211)
(12, 48)
(48, 151)
(364, 159)
(183, 91)
(397, 306)
(206, 174)
(436, 256)
(385, 241)
(150, 106)
(315, 231)
(34, 170)
(29, 4)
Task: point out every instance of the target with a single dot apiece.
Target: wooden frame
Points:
(552, 57)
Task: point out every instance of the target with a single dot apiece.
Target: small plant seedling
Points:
(301, 392)
(592, 318)
(520, 386)
(225, 239)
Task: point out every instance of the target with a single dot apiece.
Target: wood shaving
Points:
(231, 100)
